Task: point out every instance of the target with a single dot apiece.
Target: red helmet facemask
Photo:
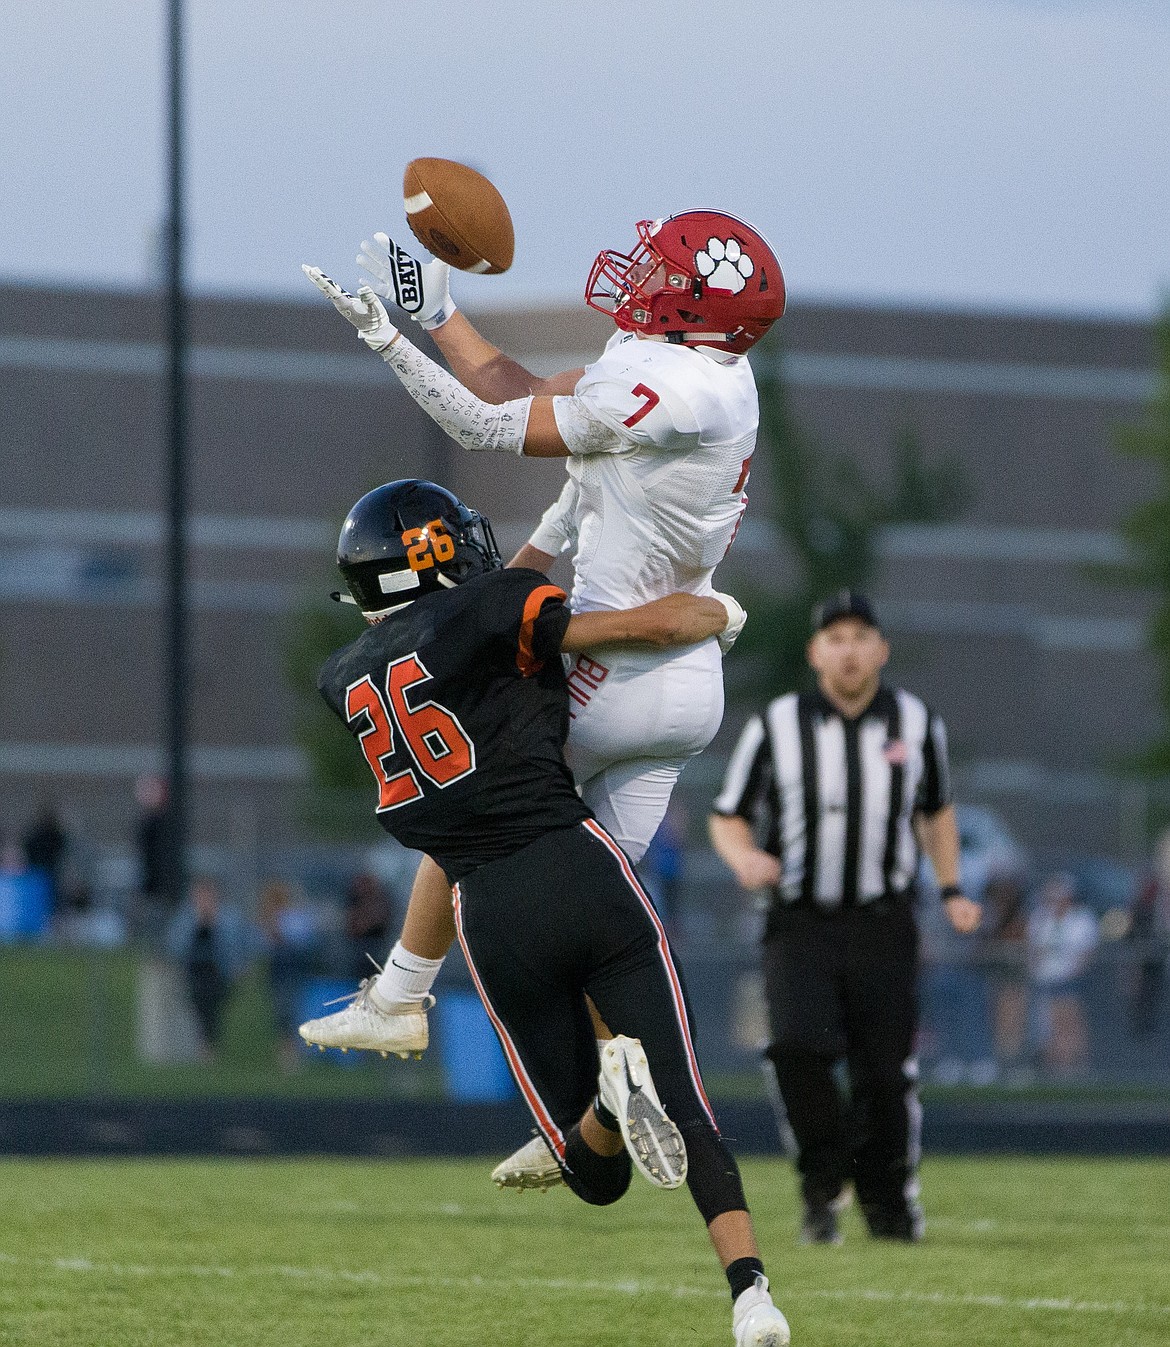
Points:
(702, 278)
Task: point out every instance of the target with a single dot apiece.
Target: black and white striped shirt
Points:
(834, 798)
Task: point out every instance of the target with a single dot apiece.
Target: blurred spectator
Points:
(45, 843)
(12, 861)
(290, 935)
(369, 923)
(213, 944)
(153, 839)
(962, 1017)
(1062, 937)
(1006, 922)
(955, 1033)
(1148, 934)
(82, 922)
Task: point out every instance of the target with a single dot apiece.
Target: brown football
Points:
(460, 216)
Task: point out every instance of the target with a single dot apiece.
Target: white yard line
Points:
(1115, 1308)
(995, 1302)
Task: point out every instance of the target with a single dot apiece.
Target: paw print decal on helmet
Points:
(724, 265)
(699, 278)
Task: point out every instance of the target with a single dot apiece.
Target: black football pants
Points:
(564, 917)
(843, 987)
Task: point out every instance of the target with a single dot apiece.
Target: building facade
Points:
(997, 618)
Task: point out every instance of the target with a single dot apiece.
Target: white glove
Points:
(421, 289)
(364, 310)
(736, 617)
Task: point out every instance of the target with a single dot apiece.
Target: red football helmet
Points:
(702, 278)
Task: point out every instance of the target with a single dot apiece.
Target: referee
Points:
(840, 786)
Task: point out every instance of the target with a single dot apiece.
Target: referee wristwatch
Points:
(949, 891)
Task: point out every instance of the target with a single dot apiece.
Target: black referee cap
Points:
(845, 603)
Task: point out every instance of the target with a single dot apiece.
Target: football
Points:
(459, 215)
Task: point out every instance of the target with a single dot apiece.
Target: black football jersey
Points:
(458, 703)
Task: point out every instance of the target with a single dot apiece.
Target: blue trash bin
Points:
(474, 1066)
(25, 900)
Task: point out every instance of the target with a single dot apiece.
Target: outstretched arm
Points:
(524, 425)
(677, 619)
(422, 289)
(487, 371)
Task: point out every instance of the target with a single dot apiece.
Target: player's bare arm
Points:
(532, 559)
(542, 436)
(487, 371)
(677, 619)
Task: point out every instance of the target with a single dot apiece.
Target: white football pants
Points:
(637, 720)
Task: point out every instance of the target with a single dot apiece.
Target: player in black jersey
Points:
(457, 698)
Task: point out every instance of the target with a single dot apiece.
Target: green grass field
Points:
(412, 1254)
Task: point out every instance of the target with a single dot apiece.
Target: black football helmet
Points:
(408, 538)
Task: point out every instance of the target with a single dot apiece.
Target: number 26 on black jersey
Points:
(435, 741)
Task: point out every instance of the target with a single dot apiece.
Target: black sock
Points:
(604, 1116)
(742, 1274)
(599, 1179)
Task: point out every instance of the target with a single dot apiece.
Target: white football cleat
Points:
(532, 1166)
(627, 1090)
(372, 1024)
(755, 1321)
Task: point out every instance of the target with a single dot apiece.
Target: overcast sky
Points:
(980, 153)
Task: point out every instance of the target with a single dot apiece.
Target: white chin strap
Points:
(375, 615)
(693, 338)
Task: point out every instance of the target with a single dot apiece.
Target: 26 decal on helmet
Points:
(409, 538)
(702, 278)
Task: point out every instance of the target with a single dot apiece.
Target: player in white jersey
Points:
(650, 508)
(658, 434)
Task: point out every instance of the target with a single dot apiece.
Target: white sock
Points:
(406, 977)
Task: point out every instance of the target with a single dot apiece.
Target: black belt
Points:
(886, 904)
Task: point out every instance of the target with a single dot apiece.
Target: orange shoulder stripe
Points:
(526, 660)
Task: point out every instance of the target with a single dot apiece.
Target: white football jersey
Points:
(660, 440)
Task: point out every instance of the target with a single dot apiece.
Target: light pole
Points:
(177, 636)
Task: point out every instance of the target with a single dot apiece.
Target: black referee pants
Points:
(564, 917)
(842, 986)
